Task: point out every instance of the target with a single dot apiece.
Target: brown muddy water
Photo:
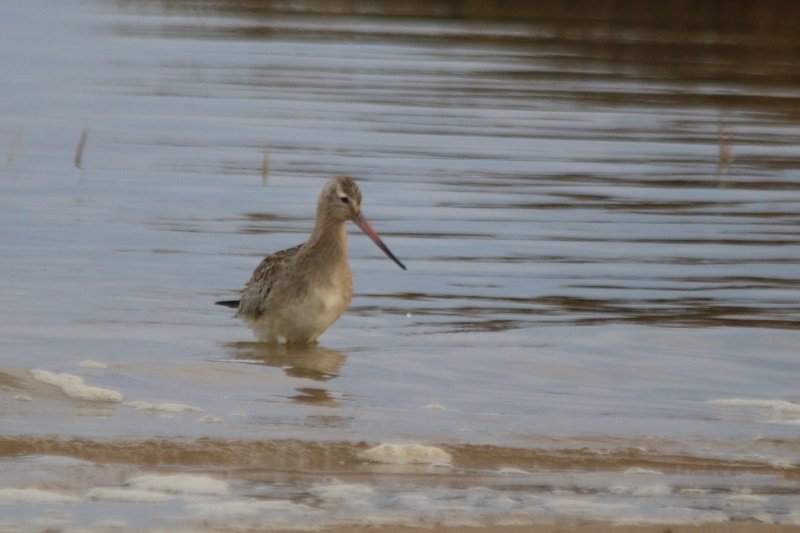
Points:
(600, 214)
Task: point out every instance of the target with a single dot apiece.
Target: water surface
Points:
(599, 213)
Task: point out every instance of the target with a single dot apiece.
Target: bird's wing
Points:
(263, 279)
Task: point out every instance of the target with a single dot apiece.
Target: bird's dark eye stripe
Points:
(344, 199)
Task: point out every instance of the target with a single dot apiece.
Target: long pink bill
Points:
(362, 223)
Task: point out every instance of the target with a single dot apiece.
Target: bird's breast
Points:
(333, 299)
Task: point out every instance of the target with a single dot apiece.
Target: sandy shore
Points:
(582, 527)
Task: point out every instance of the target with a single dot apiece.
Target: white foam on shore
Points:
(335, 493)
(34, 496)
(277, 512)
(745, 499)
(783, 464)
(512, 471)
(642, 471)
(199, 502)
(74, 387)
(109, 494)
(406, 454)
(180, 484)
(779, 406)
(163, 407)
(96, 365)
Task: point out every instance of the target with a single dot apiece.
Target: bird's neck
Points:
(328, 240)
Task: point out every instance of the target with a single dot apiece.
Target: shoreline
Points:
(576, 526)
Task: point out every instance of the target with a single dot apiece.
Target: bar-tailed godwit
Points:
(294, 295)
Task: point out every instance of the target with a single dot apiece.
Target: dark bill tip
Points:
(362, 223)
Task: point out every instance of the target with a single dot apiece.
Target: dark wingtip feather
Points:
(233, 304)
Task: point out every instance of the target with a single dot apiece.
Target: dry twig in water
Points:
(81, 146)
(265, 167)
(12, 150)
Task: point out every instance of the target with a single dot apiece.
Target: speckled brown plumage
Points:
(264, 276)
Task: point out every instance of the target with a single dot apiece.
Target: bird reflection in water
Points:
(305, 361)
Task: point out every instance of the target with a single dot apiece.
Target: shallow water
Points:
(599, 213)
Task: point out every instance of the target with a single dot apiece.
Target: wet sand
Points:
(555, 484)
(583, 527)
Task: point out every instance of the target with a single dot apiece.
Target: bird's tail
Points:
(233, 304)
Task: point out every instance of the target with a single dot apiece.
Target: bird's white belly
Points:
(303, 319)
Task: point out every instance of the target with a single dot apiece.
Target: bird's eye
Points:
(344, 199)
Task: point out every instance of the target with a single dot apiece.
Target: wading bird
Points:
(294, 295)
